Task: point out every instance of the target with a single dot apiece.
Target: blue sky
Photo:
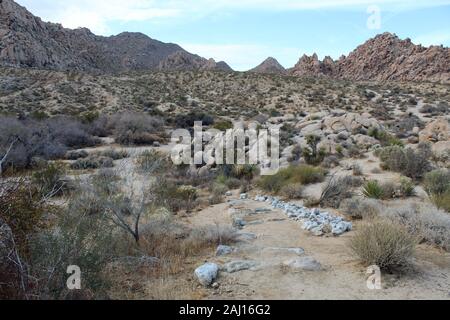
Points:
(245, 32)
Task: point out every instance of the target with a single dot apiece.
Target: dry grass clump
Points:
(385, 244)
(292, 191)
(437, 185)
(337, 189)
(360, 208)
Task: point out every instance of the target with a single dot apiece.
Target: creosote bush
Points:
(411, 163)
(303, 174)
(385, 244)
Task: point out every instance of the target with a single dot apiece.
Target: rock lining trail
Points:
(275, 258)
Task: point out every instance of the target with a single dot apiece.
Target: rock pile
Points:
(312, 220)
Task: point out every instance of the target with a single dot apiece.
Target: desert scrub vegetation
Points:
(383, 243)
(411, 163)
(358, 208)
(92, 162)
(312, 154)
(137, 129)
(24, 140)
(426, 222)
(437, 186)
(337, 189)
(303, 174)
(151, 161)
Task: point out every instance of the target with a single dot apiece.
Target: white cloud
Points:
(97, 14)
(242, 57)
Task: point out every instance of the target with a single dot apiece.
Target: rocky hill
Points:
(182, 60)
(385, 57)
(270, 65)
(27, 41)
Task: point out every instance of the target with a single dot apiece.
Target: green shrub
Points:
(382, 243)
(223, 125)
(372, 189)
(311, 154)
(437, 185)
(407, 187)
(303, 174)
(413, 164)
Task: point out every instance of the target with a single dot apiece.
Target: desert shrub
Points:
(336, 190)
(76, 154)
(384, 244)
(311, 154)
(212, 235)
(360, 208)
(152, 161)
(218, 191)
(70, 133)
(292, 191)
(92, 162)
(407, 187)
(22, 210)
(114, 154)
(49, 180)
(304, 174)
(428, 223)
(48, 139)
(106, 182)
(244, 171)
(223, 125)
(413, 164)
(437, 185)
(168, 194)
(187, 120)
(437, 181)
(330, 162)
(137, 129)
(87, 241)
(372, 189)
(357, 170)
(231, 182)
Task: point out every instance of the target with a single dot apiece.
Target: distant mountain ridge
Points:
(27, 41)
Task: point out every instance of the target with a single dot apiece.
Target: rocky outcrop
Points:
(437, 130)
(385, 57)
(182, 60)
(27, 41)
(312, 66)
(270, 65)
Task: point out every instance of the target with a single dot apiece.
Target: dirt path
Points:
(340, 276)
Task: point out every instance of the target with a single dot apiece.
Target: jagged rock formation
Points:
(27, 41)
(182, 60)
(270, 65)
(385, 57)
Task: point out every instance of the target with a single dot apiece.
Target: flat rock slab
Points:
(303, 263)
(297, 251)
(239, 265)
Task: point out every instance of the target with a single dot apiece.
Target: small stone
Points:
(243, 196)
(303, 263)
(206, 273)
(239, 265)
(215, 285)
(228, 194)
(223, 250)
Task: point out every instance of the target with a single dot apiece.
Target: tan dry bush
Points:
(360, 208)
(383, 243)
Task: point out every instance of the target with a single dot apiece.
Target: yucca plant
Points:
(373, 189)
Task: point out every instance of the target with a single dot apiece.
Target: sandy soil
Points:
(342, 276)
